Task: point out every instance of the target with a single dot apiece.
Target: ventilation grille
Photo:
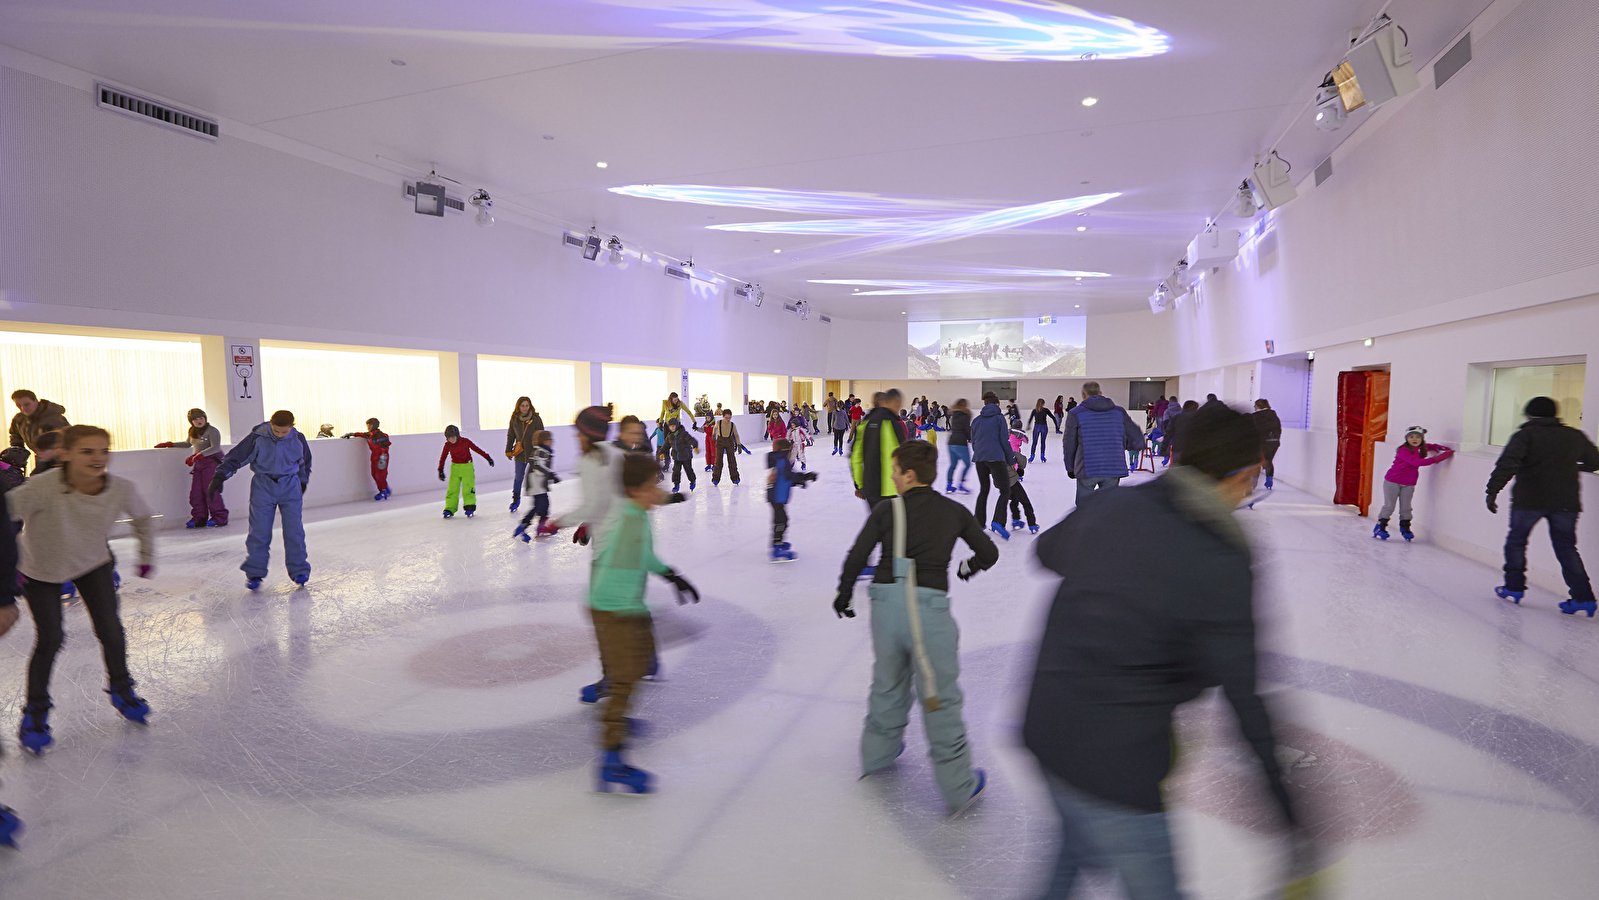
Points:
(827, 318)
(678, 272)
(1452, 61)
(1324, 171)
(454, 204)
(118, 100)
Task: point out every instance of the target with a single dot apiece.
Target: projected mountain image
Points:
(921, 365)
(1056, 348)
(1041, 357)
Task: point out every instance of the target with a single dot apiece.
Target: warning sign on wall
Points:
(242, 370)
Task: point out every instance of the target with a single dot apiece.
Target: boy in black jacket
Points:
(1544, 457)
(680, 443)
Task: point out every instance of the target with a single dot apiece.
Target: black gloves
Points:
(215, 487)
(491, 462)
(1493, 503)
(805, 478)
(966, 569)
(581, 535)
(842, 605)
(303, 486)
(441, 473)
(677, 497)
(685, 591)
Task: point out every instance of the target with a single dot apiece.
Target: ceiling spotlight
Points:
(1244, 206)
(481, 200)
(602, 165)
(614, 245)
(1330, 112)
(591, 246)
(1082, 228)
(1077, 306)
(777, 251)
(1090, 101)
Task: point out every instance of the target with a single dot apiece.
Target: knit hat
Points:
(451, 431)
(196, 413)
(1415, 429)
(594, 422)
(1542, 408)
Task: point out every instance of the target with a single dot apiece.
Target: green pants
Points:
(463, 484)
(893, 671)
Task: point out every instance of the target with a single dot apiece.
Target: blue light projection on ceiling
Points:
(889, 287)
(989, 30)
(824, 202)
(932, 228)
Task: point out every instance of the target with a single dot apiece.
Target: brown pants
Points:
(627, 644)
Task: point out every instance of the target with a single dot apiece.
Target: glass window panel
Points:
(635, 391)
(344, 388)
(137, 389)
(1515, 385)
(718, 387)
(767, 388)
(551, 385)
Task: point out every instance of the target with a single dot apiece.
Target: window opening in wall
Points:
(636, 390)
(1513, 386)
(344, 387)
(768, 388)
(550, 384)
(137, 389)
(716, 387)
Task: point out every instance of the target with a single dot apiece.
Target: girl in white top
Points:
(66, 516)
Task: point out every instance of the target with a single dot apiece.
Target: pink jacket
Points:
(776, 430)
(1408, 462)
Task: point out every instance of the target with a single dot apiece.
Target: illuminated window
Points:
(1513, 386)
(808, 390)
(139, 390)
(636, 390)
(718, 387)
(550, 384)
(344, 388)
(767, 388)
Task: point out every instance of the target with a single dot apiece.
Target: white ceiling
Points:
(485, 81)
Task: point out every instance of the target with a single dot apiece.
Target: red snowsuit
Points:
(378, 443)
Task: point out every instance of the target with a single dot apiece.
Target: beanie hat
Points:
(1542, 408)
(196, 413)
(451, 431)
(594, 422)
(1415, 429)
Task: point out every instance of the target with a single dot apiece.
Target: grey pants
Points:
(888, 709)
(1396, 493)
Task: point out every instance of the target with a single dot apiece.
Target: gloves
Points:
(1493, 503)
(965, 570)
(146, 571)
(581, 535)
(215, 487)
(189, 461)
(685, 591)
(841, 605)
(675, 498)
(441, 473)
(491, 462)
(165, 445)
(303, 486)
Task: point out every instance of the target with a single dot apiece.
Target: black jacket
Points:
(1132, 635)
(683, 446)
(1041, 418)
(46, 417)
(869, 441)
(1544, 457)
(960, 428)
(932, 525)
(1269, 426)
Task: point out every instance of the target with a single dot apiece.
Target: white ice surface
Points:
(409, 726)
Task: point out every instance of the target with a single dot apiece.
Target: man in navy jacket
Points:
(1096, 439)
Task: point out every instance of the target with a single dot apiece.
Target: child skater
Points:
(205, 511)
(680, 441)
(463, 478)
(799, 435)
(710, 441)
(539, 478)
(624, 556)
(663, 450)
(775, 429)
(779, 481)
(67, 515)
(1399, 485)
(378, 444)
(1019, 500)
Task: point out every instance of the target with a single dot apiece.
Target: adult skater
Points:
(914, 637)
(280, 464)
(1097, 437)
(1131, 636)
(838, 422)
(871, 459)
(204, 442)
(960, 450)
(34, 417)
(67, 515)
(1060, 410)
(1039, 420)
(1271, 434)
(674, 408)
(10, 823)
(1544, 457)
(994, 459)
(525, 422)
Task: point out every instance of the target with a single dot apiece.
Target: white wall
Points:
(1457, 229)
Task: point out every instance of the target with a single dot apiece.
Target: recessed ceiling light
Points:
(1090, 101)
(602, 165)
(1082, 214)
(777, 251)
(902, 312)
(1078, 306)
(1079, 278)
(1082, 228)
(397, 62)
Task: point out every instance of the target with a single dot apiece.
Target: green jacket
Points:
(622, 562)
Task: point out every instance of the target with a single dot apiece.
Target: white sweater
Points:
(64, 532)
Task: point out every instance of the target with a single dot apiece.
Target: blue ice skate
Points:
(301, 579)
(1404, 530)
(449, 514)
(1017, 525)
(521, 532)
(10, 827)
(132, 707)
(982, 782)
(616, 775)
(1380, 532)
(34, 733)
(253, 584)
(1504, 593)
(781, 554)
(1032, 529)
(592, 693)
(515, 503)
(999, 529)
(1572, 607)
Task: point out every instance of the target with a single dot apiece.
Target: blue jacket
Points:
(1096, 439)
(271, 456)
(991, 436)
(778, 490)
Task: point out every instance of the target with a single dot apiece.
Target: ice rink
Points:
(408, 726)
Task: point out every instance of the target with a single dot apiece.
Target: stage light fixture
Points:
(1380, 65)
(482, 201)
(1271, 187)
(1330, 112)
(614, 246)
(429, 199)
(1244, 205)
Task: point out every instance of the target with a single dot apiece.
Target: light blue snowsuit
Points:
(282, 468)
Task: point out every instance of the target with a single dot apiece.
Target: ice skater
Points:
(680, 441)
(780, 481)
(624, 557)
(1544, 457)
(960, 449)
(539, 478)
(205, 444)
(838, 422)
(1019, 501)
(914, 638)
(725, 436)
(525, 422)
(1039, 419)
(67, 515)
(280, 462)
(798, 437)
(1399, 485)
(377, 445)
(1266, 422)
(775, 429)
(462, 486)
